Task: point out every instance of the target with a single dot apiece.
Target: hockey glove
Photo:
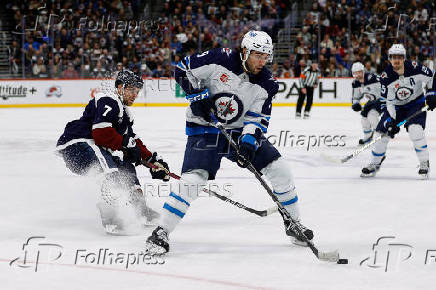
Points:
(357, 107)
(392, 128)
(430, 98)
(162, 170)
(201, 103)
(132, 153)
(247, 149)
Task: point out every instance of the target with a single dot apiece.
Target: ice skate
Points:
(424, 169)
(371, 169)
(157, 243)
(297, 239)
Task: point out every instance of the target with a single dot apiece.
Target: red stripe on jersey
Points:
(107, 137)
(145, 153)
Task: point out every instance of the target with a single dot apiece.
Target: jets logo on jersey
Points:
(228, 107)
(384, 75)
(415, 64)
(403, 93)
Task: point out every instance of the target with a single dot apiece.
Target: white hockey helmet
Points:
(257, 41)
(357, 66)
(397, 49)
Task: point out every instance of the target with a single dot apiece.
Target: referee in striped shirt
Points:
(308, 81)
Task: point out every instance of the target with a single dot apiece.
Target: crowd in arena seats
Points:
(87, 38)
(350, 30)
(362, 30)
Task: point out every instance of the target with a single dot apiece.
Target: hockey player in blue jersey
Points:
(240, 89)
(90, 144)
(366, 86)
(402, 85)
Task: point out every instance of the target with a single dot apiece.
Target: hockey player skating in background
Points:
(366, 86)
(88, 145)
(402, 86)
(238, 87)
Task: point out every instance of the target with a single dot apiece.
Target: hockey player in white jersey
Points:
(239, 88)
(366, 86)
(402, 85)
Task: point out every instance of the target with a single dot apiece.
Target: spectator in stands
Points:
(14, 56)
(99, 71)
(70, 72)
(287, 71)
(39, 69)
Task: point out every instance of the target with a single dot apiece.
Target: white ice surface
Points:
(218, 246)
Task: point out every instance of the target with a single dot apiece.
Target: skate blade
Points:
(424, 176)
(363, 175)
(153, 249)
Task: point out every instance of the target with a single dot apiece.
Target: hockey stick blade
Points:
(332, 256)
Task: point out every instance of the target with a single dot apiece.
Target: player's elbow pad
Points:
(107, 137)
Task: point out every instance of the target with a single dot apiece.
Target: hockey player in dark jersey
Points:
(366, 86)
(402, 85)
(240, 89)
(90, 144)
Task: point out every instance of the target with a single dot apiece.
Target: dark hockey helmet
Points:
(128, 79)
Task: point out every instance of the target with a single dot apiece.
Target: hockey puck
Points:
(342, 261)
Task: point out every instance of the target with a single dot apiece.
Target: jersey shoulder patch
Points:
(388, 75)
(371, 78)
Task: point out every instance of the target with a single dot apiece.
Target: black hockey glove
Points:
(392, 128)
(201, 103)
(132, 153)
(357, 107)
(162, 170)
(247, 150)
(430, 99)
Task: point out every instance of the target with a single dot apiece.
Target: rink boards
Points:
(158, 92)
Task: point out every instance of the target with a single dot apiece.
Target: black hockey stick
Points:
(323, 256)
(366, 146)
(261, 213)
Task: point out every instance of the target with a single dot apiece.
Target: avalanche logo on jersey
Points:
(403, 93)
(228, 107)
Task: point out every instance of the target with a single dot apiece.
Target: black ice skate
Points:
(157, 243)
(297, 115)
(371, 169)
(367, 140)
(306, 115)
(424, 169)
(292, 231)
